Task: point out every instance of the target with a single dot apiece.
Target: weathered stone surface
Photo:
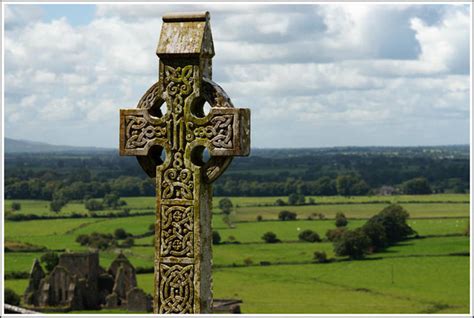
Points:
(111, 301)
(138, 301)
(183, 227)
(78, 282)
(36, 275)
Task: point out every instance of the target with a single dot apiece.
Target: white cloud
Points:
(445, 46)
(354, 69)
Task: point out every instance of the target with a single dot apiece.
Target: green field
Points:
(242, 204)
(421, 275)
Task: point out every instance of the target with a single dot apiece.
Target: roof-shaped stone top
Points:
(186, 34)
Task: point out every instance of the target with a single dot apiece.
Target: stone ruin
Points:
(78, 282)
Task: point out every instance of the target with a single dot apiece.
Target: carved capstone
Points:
(169, 146)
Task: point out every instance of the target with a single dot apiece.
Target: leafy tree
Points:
(335, 234)
(56, 205)
(309, 236)
(296, 199)
(50, 260)
(286, 216)
(353, 243)
(11, 297)
(259, 218)
(270, 237)
(216, 237)
(341, 219)
(393, 219)
(376, 233)
(112, 200)
(351, 184)
(293, 199)
(16, 206)
(417, 186)
(225, 205)
(93, 205)
(325, 186)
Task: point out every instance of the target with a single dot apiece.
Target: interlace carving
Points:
(139, 132)
(219, 133)
(177, 231)
(176, 289)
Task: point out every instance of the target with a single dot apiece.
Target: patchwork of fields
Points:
(428, 274)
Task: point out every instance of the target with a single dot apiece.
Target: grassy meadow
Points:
(426, 274)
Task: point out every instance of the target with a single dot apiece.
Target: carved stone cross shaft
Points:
(183, 235)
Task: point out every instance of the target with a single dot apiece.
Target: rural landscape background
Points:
(55, 195)
(306, 224)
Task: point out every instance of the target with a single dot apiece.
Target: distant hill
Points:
(26, 146)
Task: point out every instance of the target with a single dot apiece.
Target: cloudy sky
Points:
(313, 75)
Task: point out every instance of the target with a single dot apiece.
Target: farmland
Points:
(426, 274)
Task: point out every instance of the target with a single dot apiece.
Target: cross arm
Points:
(139, 131)
(225, 131)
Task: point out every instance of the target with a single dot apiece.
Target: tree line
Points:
(74, 177)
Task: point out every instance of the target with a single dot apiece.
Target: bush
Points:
(50, 260)
(121, 234)
(17, 275)
(11, 297)
(341, 220)
(216, 237)
(309, 236)
(259, 218)
(248, 261)
(320, 257)
(16, 206)
(286, 216)
(353, 243)
(97, 240)
(335, 234)
(93, 205)
(128, 242)
(280, 202)
(270, 237)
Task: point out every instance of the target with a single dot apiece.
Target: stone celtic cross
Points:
(169, 145)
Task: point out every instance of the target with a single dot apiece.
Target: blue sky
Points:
(313, 75)
(76, 14)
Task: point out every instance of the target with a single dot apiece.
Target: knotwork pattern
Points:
(139, 132)
(176, 289)
(177, 231)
